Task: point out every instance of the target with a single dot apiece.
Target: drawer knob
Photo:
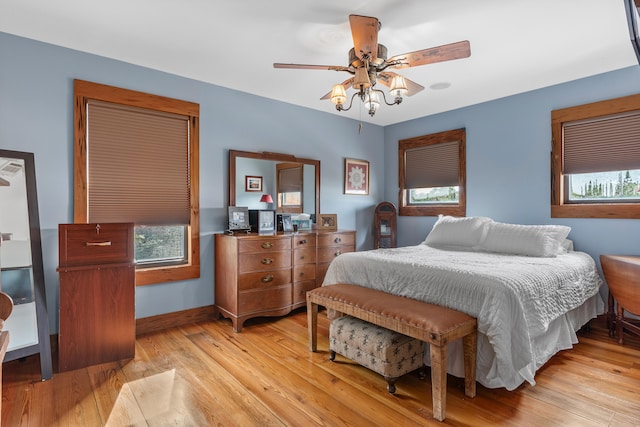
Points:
(267, 245)
(267, 261)
(304, 241)
(98, 243)
(302, 257)
(267, 279)
(338, 253)
(337, 240)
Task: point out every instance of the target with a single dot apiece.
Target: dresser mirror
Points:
(293, 183)
(21, 269)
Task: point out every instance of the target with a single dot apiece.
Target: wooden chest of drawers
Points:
(270, 275)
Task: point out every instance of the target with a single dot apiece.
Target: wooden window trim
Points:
(87, 90)
(562, 209)
(459, 209)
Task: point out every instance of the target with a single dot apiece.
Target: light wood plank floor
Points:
(204, 374)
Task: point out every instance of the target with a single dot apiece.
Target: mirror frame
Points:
(44, 339)
(278, 157)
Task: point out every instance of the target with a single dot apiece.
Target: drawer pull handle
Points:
(302, 257)
(267, 279)
(337, 240)
(98, 243)
(304, 241)
(267, 261)
(267, 245)
(338, 253)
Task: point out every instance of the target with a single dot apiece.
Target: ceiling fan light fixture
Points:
(338, 95)
(361, 79)
(398, 88)
(372, 102)
(368, 61)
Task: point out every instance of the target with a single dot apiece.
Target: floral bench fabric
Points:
(386, 352)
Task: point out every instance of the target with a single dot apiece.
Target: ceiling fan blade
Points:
(347, 84)
(310, 67)
(364, 30)
(386, 77)
(432, 55)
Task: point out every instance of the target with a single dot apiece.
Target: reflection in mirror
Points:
(293, 183)
(21, 270)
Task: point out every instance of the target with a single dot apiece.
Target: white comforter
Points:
(514, 298)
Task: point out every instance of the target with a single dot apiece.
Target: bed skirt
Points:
(561, 335)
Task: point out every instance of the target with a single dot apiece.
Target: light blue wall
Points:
(508, 161)
(36, 115)
(508, 150)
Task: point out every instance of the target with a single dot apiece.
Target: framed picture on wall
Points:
(253, 183)
(356, 176)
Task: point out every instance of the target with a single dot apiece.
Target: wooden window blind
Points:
(289, 178)
(610, 143)
(433, 165)
(138, 165)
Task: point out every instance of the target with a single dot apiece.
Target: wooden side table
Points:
(622, 274)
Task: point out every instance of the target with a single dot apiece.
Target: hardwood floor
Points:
(204, 374)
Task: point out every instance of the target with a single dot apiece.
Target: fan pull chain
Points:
(360, 124)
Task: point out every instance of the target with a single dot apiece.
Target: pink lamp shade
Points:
(266, 198)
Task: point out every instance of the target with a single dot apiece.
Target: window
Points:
(136, 160)
(595, 160)
(432, 175)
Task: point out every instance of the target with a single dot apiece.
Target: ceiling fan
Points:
(368, 63)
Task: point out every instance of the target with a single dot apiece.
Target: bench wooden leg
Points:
(470, 345)
(439, 380)
(312, 325)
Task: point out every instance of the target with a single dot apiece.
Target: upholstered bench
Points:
(384, 351)
(433, 324)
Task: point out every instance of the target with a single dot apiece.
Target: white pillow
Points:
(530, 240)
(566, 246)
(457, 231)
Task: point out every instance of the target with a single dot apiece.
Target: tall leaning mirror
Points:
(21, 269)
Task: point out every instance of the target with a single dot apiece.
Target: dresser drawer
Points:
(264, 279)
(300, 292)
(304, 240)
(332, 239)
(304, 272)
(328, 254)
(265, 299)
(304, 256)
(264, 244)
(91, 244)
(263, 261)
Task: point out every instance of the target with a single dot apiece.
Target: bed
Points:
(528, 288)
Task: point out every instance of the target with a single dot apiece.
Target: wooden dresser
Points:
(97, 294)
(270, 275)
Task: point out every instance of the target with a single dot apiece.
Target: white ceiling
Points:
(516, 45)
